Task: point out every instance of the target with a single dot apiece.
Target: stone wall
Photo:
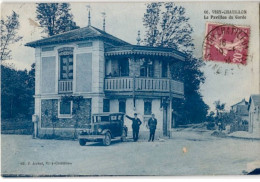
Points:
(49, 110)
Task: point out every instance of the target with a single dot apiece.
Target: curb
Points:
(243, 138)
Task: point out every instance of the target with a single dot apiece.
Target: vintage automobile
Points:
(103, 128)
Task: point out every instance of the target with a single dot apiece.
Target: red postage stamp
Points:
(226, 43)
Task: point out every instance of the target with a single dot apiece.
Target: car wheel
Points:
(123, 137)
(107, 139)
(82, 142)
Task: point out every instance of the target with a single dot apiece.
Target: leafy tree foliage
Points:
(220, 107)
(167, 26)
(151, 22)
(17, 90)
(9, 27)
(55, 18)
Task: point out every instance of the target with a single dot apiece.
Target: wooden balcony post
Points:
(170, 107)
(134, 91)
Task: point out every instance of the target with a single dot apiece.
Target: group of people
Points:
(136, 122)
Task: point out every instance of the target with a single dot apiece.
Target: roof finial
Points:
(89, 17)
(104, 21)
(138, 38)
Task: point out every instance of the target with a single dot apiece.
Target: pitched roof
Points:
(243, 100)
(255, 99)
(115, 46)
(144, 50)
(84, 33)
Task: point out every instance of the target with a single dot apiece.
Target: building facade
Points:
(241, 109)
(109, 74)
(254, 114)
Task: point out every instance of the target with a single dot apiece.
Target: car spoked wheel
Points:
(82, 142)
(123, 137)
(107, 139)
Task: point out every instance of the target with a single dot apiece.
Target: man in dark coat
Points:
(152, 122)
(135, 125)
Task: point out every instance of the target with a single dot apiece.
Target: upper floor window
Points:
(66, 71)
(146, 68)
(66, 63)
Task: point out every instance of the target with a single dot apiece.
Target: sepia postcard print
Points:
(129, 89)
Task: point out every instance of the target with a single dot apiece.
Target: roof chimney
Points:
(104, 21)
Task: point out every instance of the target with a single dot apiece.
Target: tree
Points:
(219, 106)
(221, 117)
(167, 26)
(151, 21)
(55, 18)
(210, 116)
(9, 35)
(17, 90)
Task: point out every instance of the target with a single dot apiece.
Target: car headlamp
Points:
(99, 130)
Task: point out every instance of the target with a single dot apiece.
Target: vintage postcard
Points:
(129, 88)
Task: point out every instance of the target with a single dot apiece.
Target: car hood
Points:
(95, 126)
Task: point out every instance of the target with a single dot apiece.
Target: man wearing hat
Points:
(152, 122)
(135, 125)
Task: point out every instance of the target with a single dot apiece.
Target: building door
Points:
(165, 118)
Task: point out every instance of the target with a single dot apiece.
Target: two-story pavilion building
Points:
(109, 73)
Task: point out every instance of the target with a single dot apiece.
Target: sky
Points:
(229, 83)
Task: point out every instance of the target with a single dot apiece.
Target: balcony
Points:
(140, 86)
(65, 86)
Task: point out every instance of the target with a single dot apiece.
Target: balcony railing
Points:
(143, 84)
(65, 86)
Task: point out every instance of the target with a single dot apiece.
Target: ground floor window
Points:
(106, 105)
(122, 106)
(65, 109)
(147, 107)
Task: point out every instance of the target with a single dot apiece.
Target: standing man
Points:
(135, 125)
(152, 122)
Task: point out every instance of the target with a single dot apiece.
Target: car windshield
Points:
(98, 119)
(120, 117)
(113, 117)
(116, 117)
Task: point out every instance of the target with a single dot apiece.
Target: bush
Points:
(21, 126)
(211, 126)
(218, 134)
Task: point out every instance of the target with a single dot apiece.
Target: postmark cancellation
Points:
(226, 43)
